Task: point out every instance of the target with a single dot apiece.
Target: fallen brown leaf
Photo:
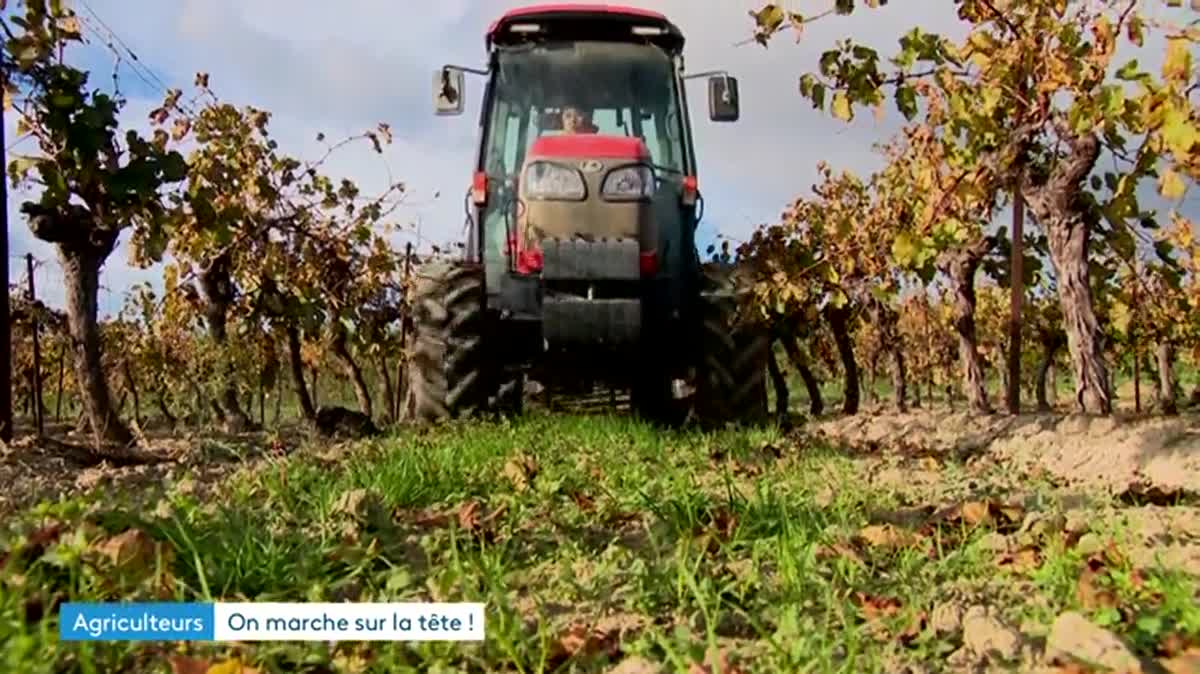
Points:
(521, 471)
(1089, 591)
(1015, 514)
(132, 547)
(470, 519)
(715, 529)
(874, 608)
(744, 469)
(1187, 662)
(976, 513)
(468, 515)
(231, 667)
(1137, 578)
(1173, 644)
(914, 629)
(359, 504)
(839, 550)
(583, 501)
(1021, 561)
(582, 639)
(980, 513)
(47, 535)
(182, 664)
(135, 556)
(886, 536)
(1113, 556)
(725, 522)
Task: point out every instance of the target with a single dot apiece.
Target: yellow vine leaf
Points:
(231, 667)
(841, 107)
(1178, 63)
(769, 18)
(1171, 186)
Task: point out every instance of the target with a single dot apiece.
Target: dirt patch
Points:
(1118, 453)
(33, 471)
(1151, 466)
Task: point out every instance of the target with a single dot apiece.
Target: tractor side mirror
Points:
(723, 99)
(448, 88)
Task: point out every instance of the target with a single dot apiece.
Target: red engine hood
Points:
(589, 145)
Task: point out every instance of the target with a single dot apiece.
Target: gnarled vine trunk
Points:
(899, 379)
(872, 380)
(1165, 353)
(1068, 248)
(296, 361)
(961, 265)
(361, 392)
(1051, 343)
(1057, 204)
(81, 263)
(886, 321)
(899, 371)
(816, 405)
(389, 392)
(779, 383)
(160, 399)
(839, 318)
(131, 386)
(218, 290)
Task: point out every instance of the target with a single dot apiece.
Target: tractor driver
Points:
(577, 120)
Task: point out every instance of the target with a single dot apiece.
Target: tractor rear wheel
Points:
(731, 384)
(446, 368)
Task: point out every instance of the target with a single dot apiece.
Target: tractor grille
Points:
(591, 260)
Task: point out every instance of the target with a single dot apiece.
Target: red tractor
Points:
(581, 267)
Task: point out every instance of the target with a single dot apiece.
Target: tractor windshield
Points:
(625, 89)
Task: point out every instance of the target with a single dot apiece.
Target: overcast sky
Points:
(342, 67)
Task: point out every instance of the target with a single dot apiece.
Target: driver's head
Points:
(576, 120)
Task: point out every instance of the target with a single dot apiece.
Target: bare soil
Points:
(1116, 453)
(1139, 474)
(63, 465)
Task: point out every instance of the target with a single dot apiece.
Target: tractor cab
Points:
(584, 200)
(620, 71)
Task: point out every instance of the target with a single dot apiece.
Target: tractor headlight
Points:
(629, 182)
(546, 180)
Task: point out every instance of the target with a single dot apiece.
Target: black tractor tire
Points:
(731, 372)
(446, 360)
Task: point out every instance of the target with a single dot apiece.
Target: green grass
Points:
(686, 541)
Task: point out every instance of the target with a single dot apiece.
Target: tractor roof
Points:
(617, 23)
